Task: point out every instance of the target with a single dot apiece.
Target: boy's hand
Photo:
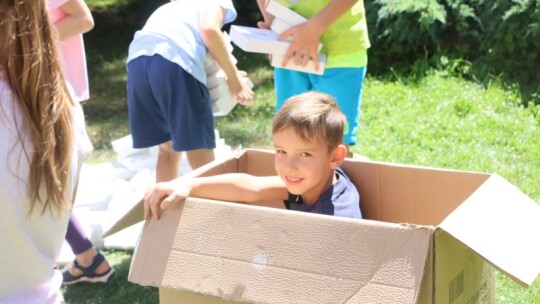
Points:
(161, 196)
(239, 89)
(304, 44)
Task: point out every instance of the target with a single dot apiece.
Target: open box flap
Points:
(502, 225)
(136, 213)
(267, 255)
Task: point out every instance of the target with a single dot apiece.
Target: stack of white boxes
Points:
(216, 81)
(265, 41)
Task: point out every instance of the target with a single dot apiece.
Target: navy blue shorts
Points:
(167, 103)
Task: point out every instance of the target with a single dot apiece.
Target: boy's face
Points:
(307, 168)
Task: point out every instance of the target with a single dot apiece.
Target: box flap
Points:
(398, 193)
(501, 224)
(132, 217)
(136, 213)
(266, 255)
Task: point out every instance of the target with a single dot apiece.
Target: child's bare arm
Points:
(306, 36)
(215, 42)
(230, 187)
(77, 20)
(265, 24)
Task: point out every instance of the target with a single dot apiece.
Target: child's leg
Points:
(345, 85)
(84, 251)
(76, 238)
(168, 163)
(288, 83)
(199, 157)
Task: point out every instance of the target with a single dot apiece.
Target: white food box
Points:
(279, 26)
(284, 13)
(256, 40)
(222, 100)
(277, 61)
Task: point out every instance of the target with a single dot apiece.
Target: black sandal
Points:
(88, 272)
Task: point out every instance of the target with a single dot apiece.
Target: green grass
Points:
(435, 121)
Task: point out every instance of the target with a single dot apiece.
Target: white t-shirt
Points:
(172, 31)
(30, 243)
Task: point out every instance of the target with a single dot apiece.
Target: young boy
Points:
(168, 102)
(308, 135)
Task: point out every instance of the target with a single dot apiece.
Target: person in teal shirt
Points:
(340, 25)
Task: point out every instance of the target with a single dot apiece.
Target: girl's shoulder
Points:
(54, 4)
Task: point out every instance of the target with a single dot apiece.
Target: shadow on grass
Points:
(118, 290)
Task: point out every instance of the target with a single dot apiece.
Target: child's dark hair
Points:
(314, 116)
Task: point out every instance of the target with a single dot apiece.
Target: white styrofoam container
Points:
(215, 79)
(284, 13)
(222, 100)
(279, 26)
(277, 61)
(256, 40)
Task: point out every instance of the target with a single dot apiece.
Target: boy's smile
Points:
(306, 168)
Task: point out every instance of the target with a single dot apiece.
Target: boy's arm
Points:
(306, 36)
(77, 20)
(213, 39)
(230, 187)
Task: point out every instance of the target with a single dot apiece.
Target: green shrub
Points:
(501, 37)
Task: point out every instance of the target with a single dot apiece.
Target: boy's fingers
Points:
(167, 202)
(146, 204)
(154, 209)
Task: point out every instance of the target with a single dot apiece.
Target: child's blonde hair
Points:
(32, 69)
(314, 116)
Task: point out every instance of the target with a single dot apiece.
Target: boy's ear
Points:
(338, 156)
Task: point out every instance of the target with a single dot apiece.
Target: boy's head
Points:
(308, 135)
(314, 116)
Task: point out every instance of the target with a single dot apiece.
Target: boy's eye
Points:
(305, 154)
(280, 152)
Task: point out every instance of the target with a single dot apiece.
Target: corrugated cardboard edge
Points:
(507, 226)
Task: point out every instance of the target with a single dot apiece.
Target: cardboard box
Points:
(431, 236)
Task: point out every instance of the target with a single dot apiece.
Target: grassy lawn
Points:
(435, 121)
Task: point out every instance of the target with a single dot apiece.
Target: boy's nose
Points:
(290, 163)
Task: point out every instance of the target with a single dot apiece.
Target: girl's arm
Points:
(237, 187)
(77, 20)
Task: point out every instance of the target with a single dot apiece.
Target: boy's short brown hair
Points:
(314, 116)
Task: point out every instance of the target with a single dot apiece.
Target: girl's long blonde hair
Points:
(32, 69)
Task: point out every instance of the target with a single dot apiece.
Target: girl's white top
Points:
(30, 243)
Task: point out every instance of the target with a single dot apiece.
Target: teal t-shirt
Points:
(346, 41)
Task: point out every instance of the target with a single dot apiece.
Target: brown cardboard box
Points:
(431, 236)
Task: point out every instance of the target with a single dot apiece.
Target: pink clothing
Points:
(73, 56)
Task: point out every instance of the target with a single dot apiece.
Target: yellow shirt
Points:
(346, 41)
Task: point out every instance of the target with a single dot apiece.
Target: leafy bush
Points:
(503, 35)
